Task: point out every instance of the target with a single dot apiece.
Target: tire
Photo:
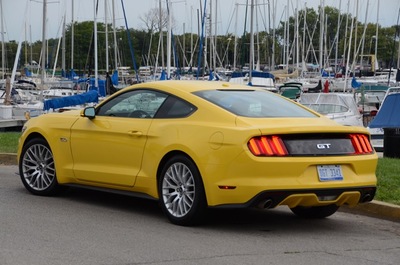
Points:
(37, 169)
(316, 212)
(181, 192)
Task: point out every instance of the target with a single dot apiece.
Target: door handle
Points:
(135, 133)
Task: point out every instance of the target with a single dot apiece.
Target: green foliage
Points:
(388, 174)
(145, 43)
(9, 142)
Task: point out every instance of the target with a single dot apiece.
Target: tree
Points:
(151, 20)
(145, 49)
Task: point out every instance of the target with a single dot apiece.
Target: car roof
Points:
(189, 86)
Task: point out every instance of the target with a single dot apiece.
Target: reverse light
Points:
(267, 146)
(361, 144)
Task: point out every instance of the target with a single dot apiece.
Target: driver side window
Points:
(133, 104)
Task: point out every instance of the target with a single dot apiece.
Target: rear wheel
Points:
(36, 168)
(315, 212)
(181, 191)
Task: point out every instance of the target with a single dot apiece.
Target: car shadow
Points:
(245, 220)
(113, 200)
(280, 218)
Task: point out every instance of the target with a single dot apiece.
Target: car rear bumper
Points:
(293, 198)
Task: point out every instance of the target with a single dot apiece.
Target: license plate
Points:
(330, 173)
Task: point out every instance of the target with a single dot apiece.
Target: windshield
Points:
(254, 103)
(327, 108)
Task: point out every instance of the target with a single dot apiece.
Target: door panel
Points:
(108, 149)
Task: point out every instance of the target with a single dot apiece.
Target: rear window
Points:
(254, 103)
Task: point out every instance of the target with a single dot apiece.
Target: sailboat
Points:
(2, 70)
(251, 76)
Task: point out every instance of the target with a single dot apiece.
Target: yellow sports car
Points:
(198, 144)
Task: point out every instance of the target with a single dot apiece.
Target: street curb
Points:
(375, 208)
(8, 159)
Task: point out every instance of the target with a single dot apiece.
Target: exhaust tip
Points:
(366, 198)
(265, 204)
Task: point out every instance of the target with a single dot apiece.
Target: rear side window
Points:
(254, 103)
(174, 107)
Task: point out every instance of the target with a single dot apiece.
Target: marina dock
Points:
(8, 121)
(11, 123)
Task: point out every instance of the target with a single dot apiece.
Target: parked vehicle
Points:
(198, 144)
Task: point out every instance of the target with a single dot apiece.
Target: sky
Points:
(22, 19)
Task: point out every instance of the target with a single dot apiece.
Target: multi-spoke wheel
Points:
(181, 191)
(315, 212)
(36, 168)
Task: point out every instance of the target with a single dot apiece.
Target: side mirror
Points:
(88, 112)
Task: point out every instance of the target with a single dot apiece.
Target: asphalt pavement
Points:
(375, 208)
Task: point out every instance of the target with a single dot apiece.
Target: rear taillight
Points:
(267, 146)
(361, 144)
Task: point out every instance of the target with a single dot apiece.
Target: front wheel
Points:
(315, 212)
(36, 168)
(181, 191)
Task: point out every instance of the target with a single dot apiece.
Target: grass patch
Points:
(388, 175)
(9, 142)
(387, 172)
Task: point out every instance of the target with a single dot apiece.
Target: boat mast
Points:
(211, 36)
(363, 38)
(2, 40)
(72, 36)
(321, 34)
(251, 63)
(14, 70)
(287, 41)
(191, 37)
(63, 44)
(398, 53)
(26, 44)
(169, 42)
(345, 38)
(376, 36)
(273, 34)
(161, 35)
(235, 41)
(203, 15)
(43, 62)
(337, 37)
(96, 81)
(355, 39)
(215, 35)
(258, 41)
(115, 36)
(60, 41)
(348, 55)
(297, 36)
(304, 39)
(106, 30)
(391, 64)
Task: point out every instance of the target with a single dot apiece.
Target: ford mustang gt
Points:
(194, 145)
